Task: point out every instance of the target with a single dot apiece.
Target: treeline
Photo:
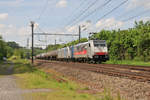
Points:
(131, 44)
(12, 49)
(4, 49)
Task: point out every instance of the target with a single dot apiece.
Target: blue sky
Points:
(58, 16)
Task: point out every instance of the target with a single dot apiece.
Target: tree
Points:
(14, 45)
(3, 52)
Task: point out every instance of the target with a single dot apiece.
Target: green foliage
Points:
(9, 49)
(3, 49)
(13, 45)
(4, 68)
(53, 47)
(129, 62)
(108, 96)
(128, 44)
(38, 50)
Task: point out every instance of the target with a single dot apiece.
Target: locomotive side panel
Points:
(81, 51)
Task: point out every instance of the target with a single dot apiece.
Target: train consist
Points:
(92, 51)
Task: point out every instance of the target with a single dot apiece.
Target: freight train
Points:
(93, 51)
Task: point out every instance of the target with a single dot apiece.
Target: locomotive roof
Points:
(103, 41)
(82, 43)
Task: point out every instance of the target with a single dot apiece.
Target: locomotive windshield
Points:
(99, 43)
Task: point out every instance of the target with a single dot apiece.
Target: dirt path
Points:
(9, 89)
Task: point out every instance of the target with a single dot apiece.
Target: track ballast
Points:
(139, 73)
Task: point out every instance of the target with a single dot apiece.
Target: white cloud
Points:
(61, 3)
(137, 3)
(109, 23)
(145, 19)
(13, 33)
(75, 28)
(10, 26)
(3, 16)
(36, 25)
(72, 29)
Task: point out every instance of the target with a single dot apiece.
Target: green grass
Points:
(3, 68)
(62, 95)
(39, 79)
(32, 78)
(129, 62)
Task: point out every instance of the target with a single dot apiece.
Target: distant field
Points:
(131, 62)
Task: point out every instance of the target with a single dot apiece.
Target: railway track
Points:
(139, 73)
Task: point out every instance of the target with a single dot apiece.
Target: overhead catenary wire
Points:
(46, 4)
(93, 11)
(141, 13)
(113, 10)
(43, 10)
(122, 3)
(45, 41)
(77, 8)
(46, 34)
(92, 4)
(130, 18)
(39, 37)
(128, 12)
(83, 12)
(109, 12)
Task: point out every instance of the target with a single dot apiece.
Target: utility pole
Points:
(46, 44)
(28, 54)
(55, 41)
(32, 27)
(79, 33)
(27, 43)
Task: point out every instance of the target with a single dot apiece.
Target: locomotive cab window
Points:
(99, 45)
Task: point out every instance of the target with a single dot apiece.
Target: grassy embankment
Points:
(4, 68)
(32, 78)
(129, 62)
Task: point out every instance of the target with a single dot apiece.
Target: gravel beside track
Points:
(129, 89)
(138, 73)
